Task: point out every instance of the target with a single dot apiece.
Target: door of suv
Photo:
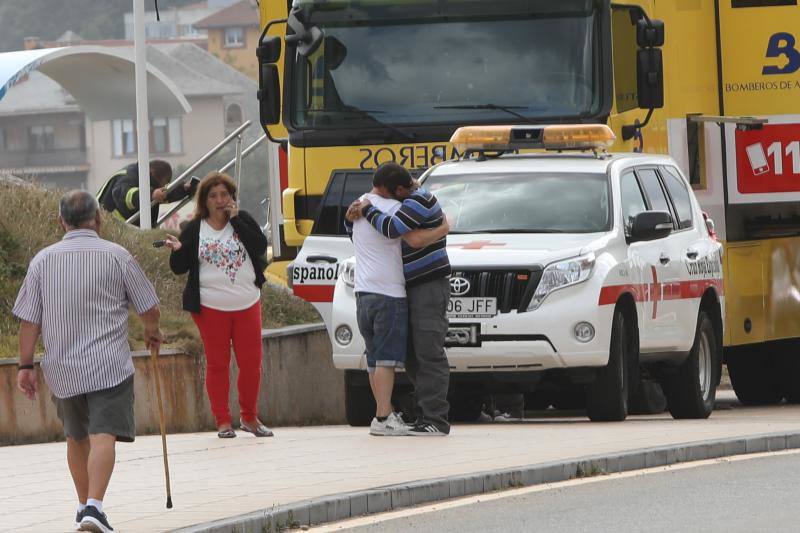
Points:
(313, 274)
(661, 330)
(696, 256)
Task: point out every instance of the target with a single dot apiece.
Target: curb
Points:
(382, 499)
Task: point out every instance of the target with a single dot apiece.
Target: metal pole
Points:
(237, 168)
(199, 162)
(142, 120)
(275, 198)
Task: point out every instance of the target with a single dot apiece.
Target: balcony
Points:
(51, 158)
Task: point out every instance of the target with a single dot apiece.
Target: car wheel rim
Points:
(704, 366)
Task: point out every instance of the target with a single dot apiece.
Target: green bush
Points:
(28, 223)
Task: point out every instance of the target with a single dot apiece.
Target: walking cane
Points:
(154, 358)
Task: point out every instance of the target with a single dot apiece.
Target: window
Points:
(632, 199)
(159, 136)
(343, 189)
(124, 135)
(680, 196)
(234, 37)
(652, 187)
(624, 57)
(41, 139)
(233, 115)
(165, 136)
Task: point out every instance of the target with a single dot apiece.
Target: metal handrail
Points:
(179, 180)
(224, 168)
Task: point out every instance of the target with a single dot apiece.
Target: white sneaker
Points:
(393, 426)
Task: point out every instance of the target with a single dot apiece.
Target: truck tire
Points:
(464, 407)
(359, 405)
(692, 389)
(607, 396)
(754, 376)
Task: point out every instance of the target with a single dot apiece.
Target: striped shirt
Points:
(78, 291)
(421, 210)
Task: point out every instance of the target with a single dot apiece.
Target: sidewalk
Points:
(214, 479)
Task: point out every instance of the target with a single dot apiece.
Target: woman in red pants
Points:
(222, 249)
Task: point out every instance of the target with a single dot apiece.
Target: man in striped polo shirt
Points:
(427, 272)
(76, 295)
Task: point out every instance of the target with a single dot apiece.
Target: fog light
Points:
(344, 335)
(584, 331)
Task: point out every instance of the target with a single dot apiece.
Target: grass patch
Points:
(28, 223)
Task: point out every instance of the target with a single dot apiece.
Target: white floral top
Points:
(227, 276)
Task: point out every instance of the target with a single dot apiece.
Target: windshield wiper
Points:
(384, 125)
(494, 107)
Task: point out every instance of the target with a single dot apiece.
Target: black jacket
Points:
(187, 258)
(120, 194)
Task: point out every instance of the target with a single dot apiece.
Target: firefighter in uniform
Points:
(120, 194)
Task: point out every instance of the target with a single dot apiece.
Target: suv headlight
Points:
(562, 274)
(348, 274)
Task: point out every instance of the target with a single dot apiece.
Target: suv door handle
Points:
(325, 258)
(664, 258)
(691, 253)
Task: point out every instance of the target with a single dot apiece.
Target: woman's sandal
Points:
(259, 431)
(226, 433)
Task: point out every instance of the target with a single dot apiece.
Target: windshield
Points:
(415, 72)
(523, 202)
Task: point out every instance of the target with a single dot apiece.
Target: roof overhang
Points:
(100, 79)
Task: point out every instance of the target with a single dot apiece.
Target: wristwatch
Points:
(25, 367)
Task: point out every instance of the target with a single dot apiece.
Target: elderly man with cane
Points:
(76, 295)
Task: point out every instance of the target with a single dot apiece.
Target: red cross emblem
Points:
(476, 245)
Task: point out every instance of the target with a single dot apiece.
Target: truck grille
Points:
(512, 288)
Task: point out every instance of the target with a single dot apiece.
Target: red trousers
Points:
(218, 329)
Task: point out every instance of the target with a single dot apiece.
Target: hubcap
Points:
(704, 366)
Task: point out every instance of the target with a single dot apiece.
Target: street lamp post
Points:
(142, 120)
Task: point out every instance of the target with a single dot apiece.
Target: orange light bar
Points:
(556, 137)
(482, 138)
(578, 136)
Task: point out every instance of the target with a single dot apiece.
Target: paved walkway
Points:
(213, 478)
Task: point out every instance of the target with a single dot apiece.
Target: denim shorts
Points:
(383, 322)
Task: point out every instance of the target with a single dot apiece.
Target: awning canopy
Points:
(101, 79)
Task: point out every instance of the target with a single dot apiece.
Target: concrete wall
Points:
(299, 387)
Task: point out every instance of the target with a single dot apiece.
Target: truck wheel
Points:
(569, 399)
(607, 396)
(691, 390)
(754, 376)
(359, 405)
(648, 399)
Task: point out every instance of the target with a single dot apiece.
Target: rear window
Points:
(535, 202)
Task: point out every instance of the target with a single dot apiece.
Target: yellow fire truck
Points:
(346, 85)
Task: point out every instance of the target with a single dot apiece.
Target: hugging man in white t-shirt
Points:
(380, 288)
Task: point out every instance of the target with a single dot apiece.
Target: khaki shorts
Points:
(105, 411)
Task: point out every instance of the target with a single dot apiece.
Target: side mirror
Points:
(269, 50)
(651, 225)
(650, 78)
(269, 95)
(306, 39)
(649, 33)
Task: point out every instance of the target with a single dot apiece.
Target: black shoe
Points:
(426, 429)
(94, 520)
(78, 517)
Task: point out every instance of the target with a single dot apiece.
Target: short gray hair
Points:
(77, 207)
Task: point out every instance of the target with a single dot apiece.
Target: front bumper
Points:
(509, 342)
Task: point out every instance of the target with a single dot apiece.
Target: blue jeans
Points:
(383, 322)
